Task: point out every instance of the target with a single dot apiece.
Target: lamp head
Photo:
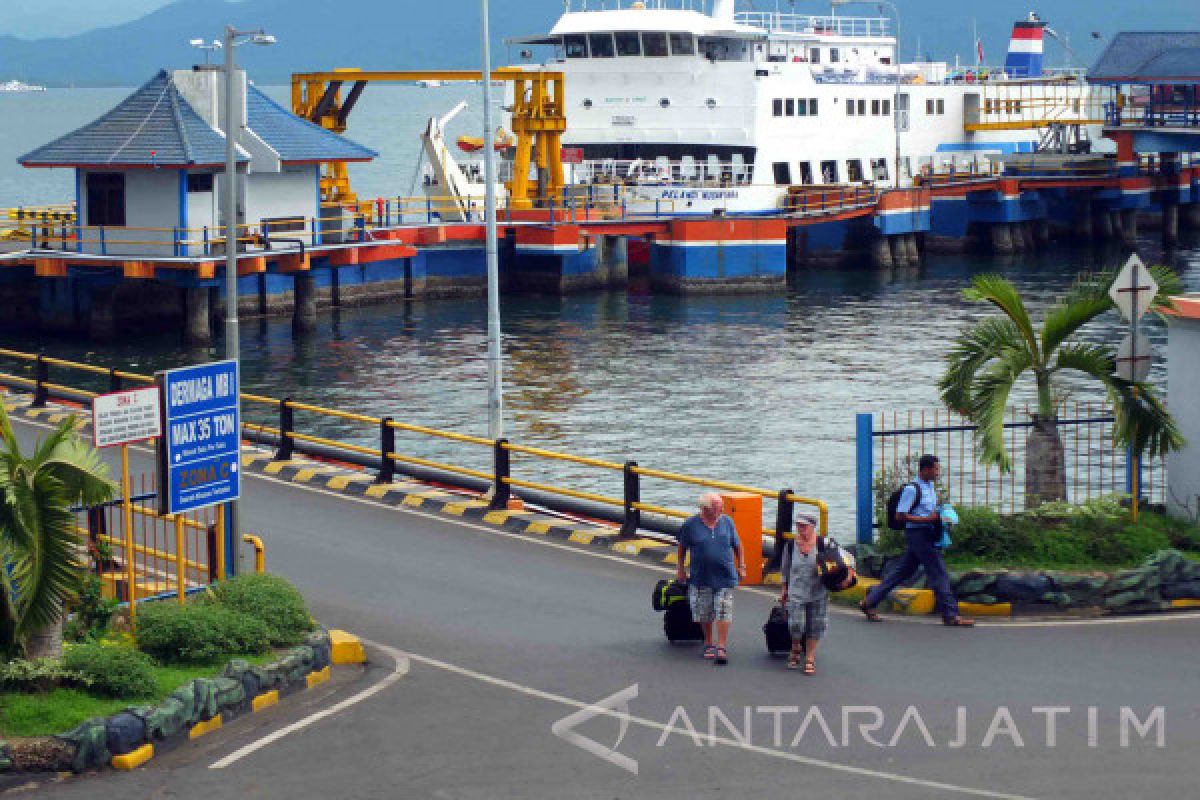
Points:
(263, 39)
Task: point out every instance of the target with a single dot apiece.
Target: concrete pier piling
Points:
(1102, 224)
(1002, 239)
(304, 292)
(911, 249)
(101, 318)
(881, 253)
(1083, 229)
(197, 329)
(1041, 232)
(1129, 225)
(1170, 224)
(899, 251)
(1189, 216)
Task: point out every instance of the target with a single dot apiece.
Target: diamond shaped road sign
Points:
(1134, 289)
(1134, 358)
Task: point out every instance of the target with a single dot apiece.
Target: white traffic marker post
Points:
(1133, 292)
(122, 418)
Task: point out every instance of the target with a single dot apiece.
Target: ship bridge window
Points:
(777, 107)
(833, 55)
(682, 44)
(849, 106)
(783, 173)
(106, 198)
(718, 49)
(654, 45)
(879, 169)
(829, 172)
(790, 107)
(575, 46)
(628, 44)
(814, 55)
(805, 172)
(802, 107)
(602, 45)
(854, 170)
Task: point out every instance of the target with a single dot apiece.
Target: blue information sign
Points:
(200, 456)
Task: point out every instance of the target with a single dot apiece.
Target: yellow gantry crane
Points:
(538, 122)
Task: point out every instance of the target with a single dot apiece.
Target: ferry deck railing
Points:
(784, 22)
(498, 477)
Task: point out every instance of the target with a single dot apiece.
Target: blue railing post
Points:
(865, 477)
(103, 242)
(207, 251)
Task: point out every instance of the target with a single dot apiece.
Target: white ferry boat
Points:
(18, 86)
(727, 111)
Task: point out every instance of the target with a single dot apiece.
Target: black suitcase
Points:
(679, 626)
(775, 629)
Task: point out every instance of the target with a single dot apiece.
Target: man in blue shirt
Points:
(711, 540)
(923, 529)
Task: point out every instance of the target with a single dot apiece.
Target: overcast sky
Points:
(33, 19)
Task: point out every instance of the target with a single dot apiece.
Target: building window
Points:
(849, 107)
(575, 46)
(829, 172)
(862, 107)
(941, 106)
(106, 198)
(929, 106)
(602, 45)
(812, 106)
(875, 108)
(833, 55)
(814, 55)
(789, 107)
(200, 182)
(682, 44)
(801, 107)
(628, 44)
(654, 44)
(777, 107)
(887, 107)
(783, 173)
(854, 172)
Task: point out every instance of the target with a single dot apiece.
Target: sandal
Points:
(810, 667)
(958, 622)
(871, 614)
(793, 661)
(710, 651)
(722, 657)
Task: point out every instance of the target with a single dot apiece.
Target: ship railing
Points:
(491, 473)
(697, 172)
(814, 200)
(780, 22)
(1144, 114)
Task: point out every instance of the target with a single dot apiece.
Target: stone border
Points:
(128, 739)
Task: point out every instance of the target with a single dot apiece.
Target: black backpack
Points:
(667, 593)
(893, 520)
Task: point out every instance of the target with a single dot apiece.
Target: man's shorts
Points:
(710, 605)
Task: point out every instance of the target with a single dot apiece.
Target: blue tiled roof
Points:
(153, 126)
(1150, 57)
(297, 139)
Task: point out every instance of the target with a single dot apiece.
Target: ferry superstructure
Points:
(722, 112)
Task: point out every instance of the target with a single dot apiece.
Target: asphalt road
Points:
(504, 635)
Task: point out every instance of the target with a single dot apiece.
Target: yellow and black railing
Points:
(630, 510)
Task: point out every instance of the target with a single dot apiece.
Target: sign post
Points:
(119, 419)
(1133, 292)
(199, 454)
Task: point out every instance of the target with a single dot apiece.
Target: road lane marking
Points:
(783, 755)
(1177, 616)
(399, 670)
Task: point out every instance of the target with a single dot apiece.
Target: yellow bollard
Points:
(260, 552)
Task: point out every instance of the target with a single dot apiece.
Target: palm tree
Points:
(40, 563)
(988, 359)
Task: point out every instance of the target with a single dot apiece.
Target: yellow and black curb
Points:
(130, 738)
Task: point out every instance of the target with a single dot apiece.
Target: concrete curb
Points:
(295, 673)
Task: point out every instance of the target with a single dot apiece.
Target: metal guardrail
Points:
(629, 510)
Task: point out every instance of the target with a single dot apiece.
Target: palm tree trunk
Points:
(47, 642)
(1045, 463)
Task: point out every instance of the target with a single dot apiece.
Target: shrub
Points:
(92, 612)
(198, 632)
(38, 675)
(270, 599)
(115, 671)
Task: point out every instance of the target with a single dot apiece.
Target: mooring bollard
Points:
(785, 509)
(387, 446)
(501, 469)
(633, 494)
(286, 426)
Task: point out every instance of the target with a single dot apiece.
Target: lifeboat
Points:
(473, 144)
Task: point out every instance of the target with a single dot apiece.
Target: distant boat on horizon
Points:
(20, 86)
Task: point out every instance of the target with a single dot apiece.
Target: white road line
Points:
(667, 729)
(1178, 616)
(400, 669)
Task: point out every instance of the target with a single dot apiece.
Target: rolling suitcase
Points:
(679, 626)
(775, 629)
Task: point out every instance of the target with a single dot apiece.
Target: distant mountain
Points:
(399, 34)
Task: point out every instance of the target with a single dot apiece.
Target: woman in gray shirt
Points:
(804, 595)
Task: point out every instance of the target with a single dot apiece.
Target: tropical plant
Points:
(40, 556)
(988, 359)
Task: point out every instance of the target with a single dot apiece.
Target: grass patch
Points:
(59, 710)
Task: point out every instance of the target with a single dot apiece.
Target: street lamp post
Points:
(233, 124)
(495, 375)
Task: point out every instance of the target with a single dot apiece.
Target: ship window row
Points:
(794, 107)
(629, 43)
(829, 172)
(877, 107)
(935, 106)
(1014, 106)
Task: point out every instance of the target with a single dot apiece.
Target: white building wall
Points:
(1183, 387)
(151, 216)
(290, 193)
